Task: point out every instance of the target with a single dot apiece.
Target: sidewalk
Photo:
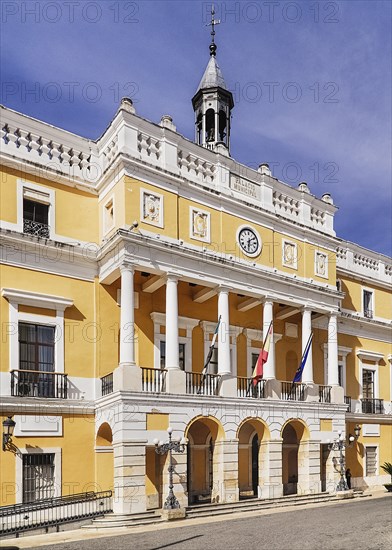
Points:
(35, 541)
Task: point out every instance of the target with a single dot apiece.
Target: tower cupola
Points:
(212, 102)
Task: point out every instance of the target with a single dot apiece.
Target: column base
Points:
(228, 386)
(175, 513)
(127, 377)
(312, 392)
(337, 394)
(273, 389)
(176, 381)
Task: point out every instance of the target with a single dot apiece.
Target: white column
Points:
(307, 374)
(333, 371)
(224, 366)
(172, 357)
(127, 317)
(268, 315)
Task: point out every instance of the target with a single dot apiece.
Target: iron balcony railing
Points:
(348, 401)
(373, 406)
(51, 512)
(34, 383)
(295, 392)
(207, 384)
(325, 394)
(107, 384)
(246, 388)
(368, 313)
(36, 228)
(153, 380)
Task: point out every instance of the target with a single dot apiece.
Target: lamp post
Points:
(8, 431)
(162, 448)
(339, 444)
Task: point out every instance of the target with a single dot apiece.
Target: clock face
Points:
(249, 241)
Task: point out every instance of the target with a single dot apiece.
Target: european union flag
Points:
(298, 374)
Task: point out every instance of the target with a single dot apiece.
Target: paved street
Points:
(362, 524)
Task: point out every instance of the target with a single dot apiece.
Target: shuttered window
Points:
(371, 461)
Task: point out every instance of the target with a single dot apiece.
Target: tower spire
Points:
(212, 24)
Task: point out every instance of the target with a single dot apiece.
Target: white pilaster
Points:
(333, 371)
(269, 367)
(127, 317)
(307, 374)
(172, 342)
(224, 364)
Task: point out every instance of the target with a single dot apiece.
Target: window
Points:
(38, 476)
(181, 354)
(36, 360)
(371, 461)
(36, 212)
(340, 375)
(255, 356)
(368, 303)
(367, 384)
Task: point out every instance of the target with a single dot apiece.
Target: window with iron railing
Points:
(36, 218)
(368, 304)
(38, 476)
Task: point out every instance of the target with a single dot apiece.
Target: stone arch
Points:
(253, 435)
(203, 433)
(104, 458)
(294, 434)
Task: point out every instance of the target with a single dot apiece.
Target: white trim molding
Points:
(36, 299)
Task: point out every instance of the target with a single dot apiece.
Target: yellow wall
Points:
(382, 299)
(76, 210)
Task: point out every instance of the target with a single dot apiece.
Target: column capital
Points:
(127, 266)
(306, 307)
(222, 289)
(267, 300)
(172, 277)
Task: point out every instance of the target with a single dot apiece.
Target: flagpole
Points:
(261, 351)
(209, 356)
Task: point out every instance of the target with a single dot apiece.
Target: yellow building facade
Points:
(118, 257)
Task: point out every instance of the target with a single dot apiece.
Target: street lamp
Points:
(8, 430)
(162, 448)
(339, 444)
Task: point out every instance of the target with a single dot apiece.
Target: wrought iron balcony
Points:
(207, 384)
(107, 384)
(368, 313)
(36, 228)
(33, 383)
(245, 388)
(325, 394)
(295, 392)
(153, 380)
(373, 406)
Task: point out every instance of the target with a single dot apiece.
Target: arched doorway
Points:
(293, 434)
(253, 436)
(202, 434)
(104, 458)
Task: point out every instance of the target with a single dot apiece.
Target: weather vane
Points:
(212, 24)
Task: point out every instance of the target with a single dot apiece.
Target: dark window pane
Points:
(35, 211)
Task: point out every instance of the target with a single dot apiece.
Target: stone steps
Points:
(125, 520)
(204, 510)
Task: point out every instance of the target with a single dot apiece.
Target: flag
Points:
(298, 374)
(212, 347)
(262, 358)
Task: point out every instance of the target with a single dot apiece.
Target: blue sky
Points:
(311, 84)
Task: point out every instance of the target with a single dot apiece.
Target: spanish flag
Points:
(263, 357)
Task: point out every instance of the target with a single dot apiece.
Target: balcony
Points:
(368, 313)
(348, 402)
(373, 406)
(293, 392)
(107, 384)
(36, 228)
(207, 384)
(31, 383)
(325, 394)
(245, 388)
(153, 380)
